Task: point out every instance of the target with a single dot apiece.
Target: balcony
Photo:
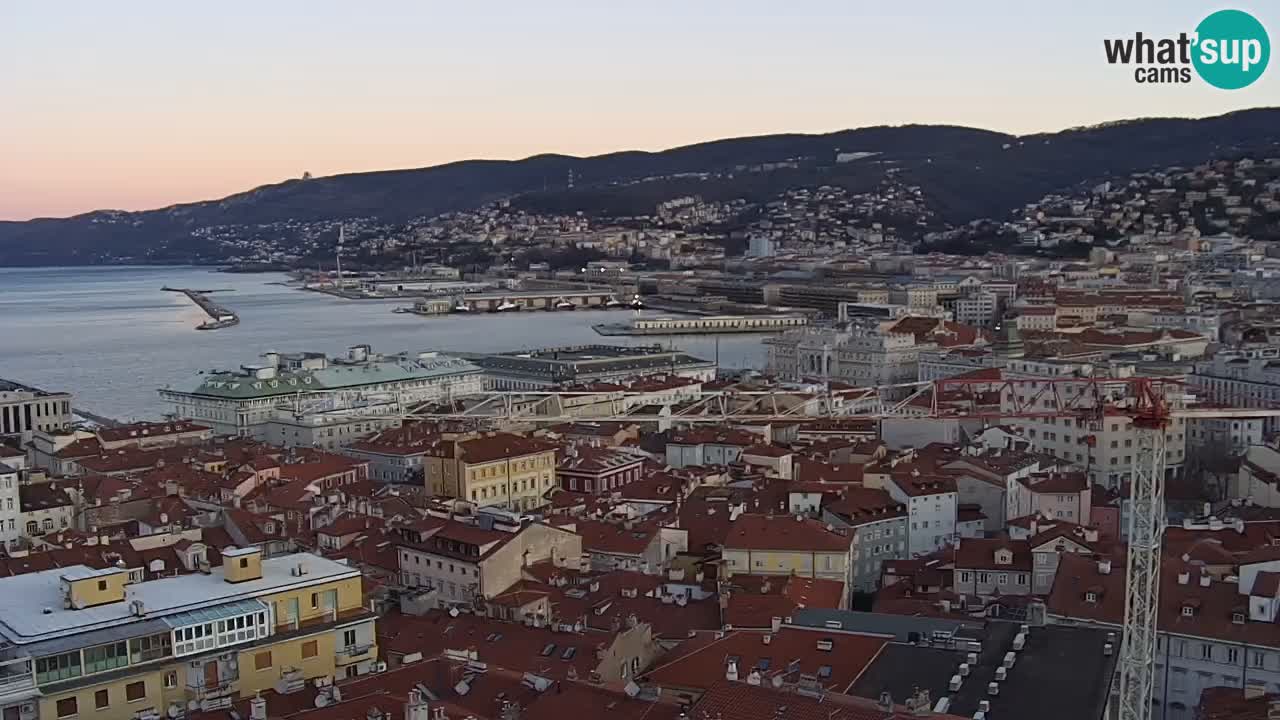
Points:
(16, 678)
(352, 653)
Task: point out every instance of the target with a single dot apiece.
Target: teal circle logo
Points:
(1232, 49)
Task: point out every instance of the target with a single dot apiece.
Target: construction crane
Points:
(1153, 405)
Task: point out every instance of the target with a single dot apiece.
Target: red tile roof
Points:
(739, 701)
(784, 532)
(700, 663)
(980, 554)
(754, 600)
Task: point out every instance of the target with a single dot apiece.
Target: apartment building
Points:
(1234, 435)
(596, 470)
(785, 545)
(1109, 448)
(83, 642)
(931, 501)
(1061, 496)
(463, 562)
(978, 310)
(708, 446)
(1213, 629)
(987, 568)
(878, 526)
(501, 469)
(10, 506)
(24, 408)
(1241, 379)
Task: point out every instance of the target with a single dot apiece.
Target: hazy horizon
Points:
(146, 105)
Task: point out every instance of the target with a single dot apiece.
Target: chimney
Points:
(1205, 580)
(416, 708)
(258, 708)
(1184, 577)
(1104, 566)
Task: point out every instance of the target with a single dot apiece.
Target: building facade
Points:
(504, 470)
(24, 408)
(244, 402)
(83, 642)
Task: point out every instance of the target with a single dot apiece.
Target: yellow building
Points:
(786, 545)
(77, 642)
(502, 469)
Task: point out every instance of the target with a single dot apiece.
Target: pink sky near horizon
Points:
(146, 104)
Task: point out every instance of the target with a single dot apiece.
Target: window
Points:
(1206, 651)
(315, 600)
(310, 649)
(262, 661)
(58, 667)
(135, 691)
(170, 680)
(348, 638)
(67, 707)
(105, 657)
(149, 648)
(101, 699)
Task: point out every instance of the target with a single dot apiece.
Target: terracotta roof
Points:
(700, 663)
(509, 645)
(142, 430)
(858, 505)
(1266, 584)
(501, 446)
(615, 539)
(754, 600)
(739, 701)
(1231, 703)
(784, 532)
(808, 470)
(980, 554)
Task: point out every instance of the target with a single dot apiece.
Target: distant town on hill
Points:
(961, 190)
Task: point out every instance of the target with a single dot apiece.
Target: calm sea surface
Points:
(112, 337)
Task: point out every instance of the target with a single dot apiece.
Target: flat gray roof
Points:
(901, 627)
(34, 611)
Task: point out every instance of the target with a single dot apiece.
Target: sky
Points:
(141, 104)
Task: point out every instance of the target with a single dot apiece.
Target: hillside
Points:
(965, 173)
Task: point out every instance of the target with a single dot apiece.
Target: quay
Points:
(518, 300)
(219, 316)
(712, 324)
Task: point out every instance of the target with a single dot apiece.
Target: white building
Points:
(978, 310)
(862, 356)
(10, 506)
(244, 402)
(24, 408)
(760, 246)
(1108, 448)
(1246, 379)
(931, 510)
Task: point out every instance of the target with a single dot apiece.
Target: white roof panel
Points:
(34, 608)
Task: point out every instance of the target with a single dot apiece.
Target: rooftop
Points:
(42, 614)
